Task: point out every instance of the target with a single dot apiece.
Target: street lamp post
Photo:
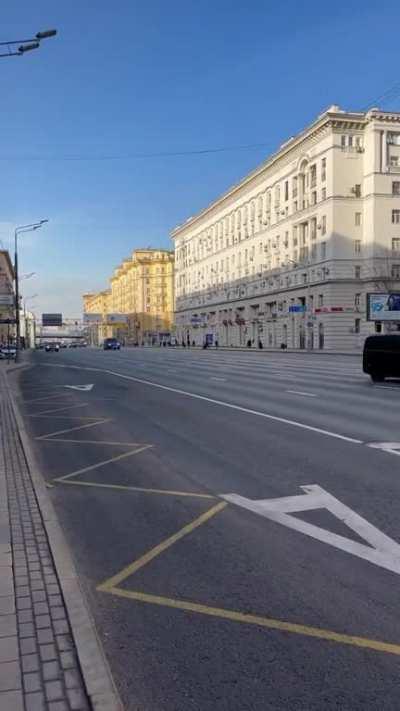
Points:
(18, 230)
(26, 45)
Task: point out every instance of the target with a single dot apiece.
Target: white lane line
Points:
(221, 403)
(221, 380)
(299, 392)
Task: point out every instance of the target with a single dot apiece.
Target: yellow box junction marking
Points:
(111, 586)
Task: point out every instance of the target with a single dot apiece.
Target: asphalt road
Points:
(211, 603)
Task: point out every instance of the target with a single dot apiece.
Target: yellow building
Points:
(139, 306)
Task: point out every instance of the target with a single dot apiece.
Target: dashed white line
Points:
(221, 380)
(221, 403)
(300, 392)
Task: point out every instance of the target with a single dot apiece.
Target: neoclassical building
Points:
(289, 254)
(139, 305)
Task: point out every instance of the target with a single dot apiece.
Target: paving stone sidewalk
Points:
(39, 669)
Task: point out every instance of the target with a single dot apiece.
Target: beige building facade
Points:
(288, 255)
(139, 306)
(7, 296)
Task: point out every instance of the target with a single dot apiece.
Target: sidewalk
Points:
(40, 669)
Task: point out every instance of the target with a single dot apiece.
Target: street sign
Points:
(8, 321)
(381, 550)
(7, 299)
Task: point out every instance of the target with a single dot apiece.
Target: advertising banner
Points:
(383, 307)
(52, 320)
(7, 299)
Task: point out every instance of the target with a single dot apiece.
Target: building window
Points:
(286, 190)
(313, 197)
(394, 161)
(396, 187)
(343, 141)
(323, 194)
(396, 244)
(357, 325)
(323, 225)
(396, 271)
(357, 299)
(396, 217)
(357, 272)
(304, 276)
(320, 299)
(295, 206)
(323, 250)
(357, 246)
(357, 190)
(357, 219)
(323, 169)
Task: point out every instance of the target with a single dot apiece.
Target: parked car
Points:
(381, 357)
(111, 344)
(52, 347)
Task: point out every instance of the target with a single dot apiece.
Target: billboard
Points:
(92, 318)
(7, 299)
(52, 320)
(383, 307)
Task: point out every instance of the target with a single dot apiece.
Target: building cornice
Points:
(332, 119)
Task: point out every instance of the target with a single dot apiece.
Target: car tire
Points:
(376, 378)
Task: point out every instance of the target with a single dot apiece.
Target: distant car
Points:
(381, 357)
(73, 345)
(9, 353)
(52, 347)
(111, 344)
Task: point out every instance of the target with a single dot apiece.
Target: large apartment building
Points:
(138, 307)
(290, 253)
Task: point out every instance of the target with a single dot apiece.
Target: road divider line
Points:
(103, 463)
(300, 392)
(120, 487)
(96, 441)
(266, 622)
(61, 409)
(73, 429)
(109, 584)
(220, 380)
(221, 403)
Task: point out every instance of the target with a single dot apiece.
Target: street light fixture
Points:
(26, 45)
(18, 230)
(27, 276)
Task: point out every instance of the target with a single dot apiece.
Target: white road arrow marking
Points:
(385, 552)
(85, 388)
(391, 447)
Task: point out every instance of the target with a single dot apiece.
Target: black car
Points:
(381, 357)
(52, 347)
(111, 344)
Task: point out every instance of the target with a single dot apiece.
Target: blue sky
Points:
(126, 77)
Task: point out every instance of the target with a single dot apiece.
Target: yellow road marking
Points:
(138, 488)
(63, 417)
(60, 409)
(267, 622)
(110, 586)
(72, 429)
(49, 397)
(103, 464)
(154, 552)
(95, 441)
